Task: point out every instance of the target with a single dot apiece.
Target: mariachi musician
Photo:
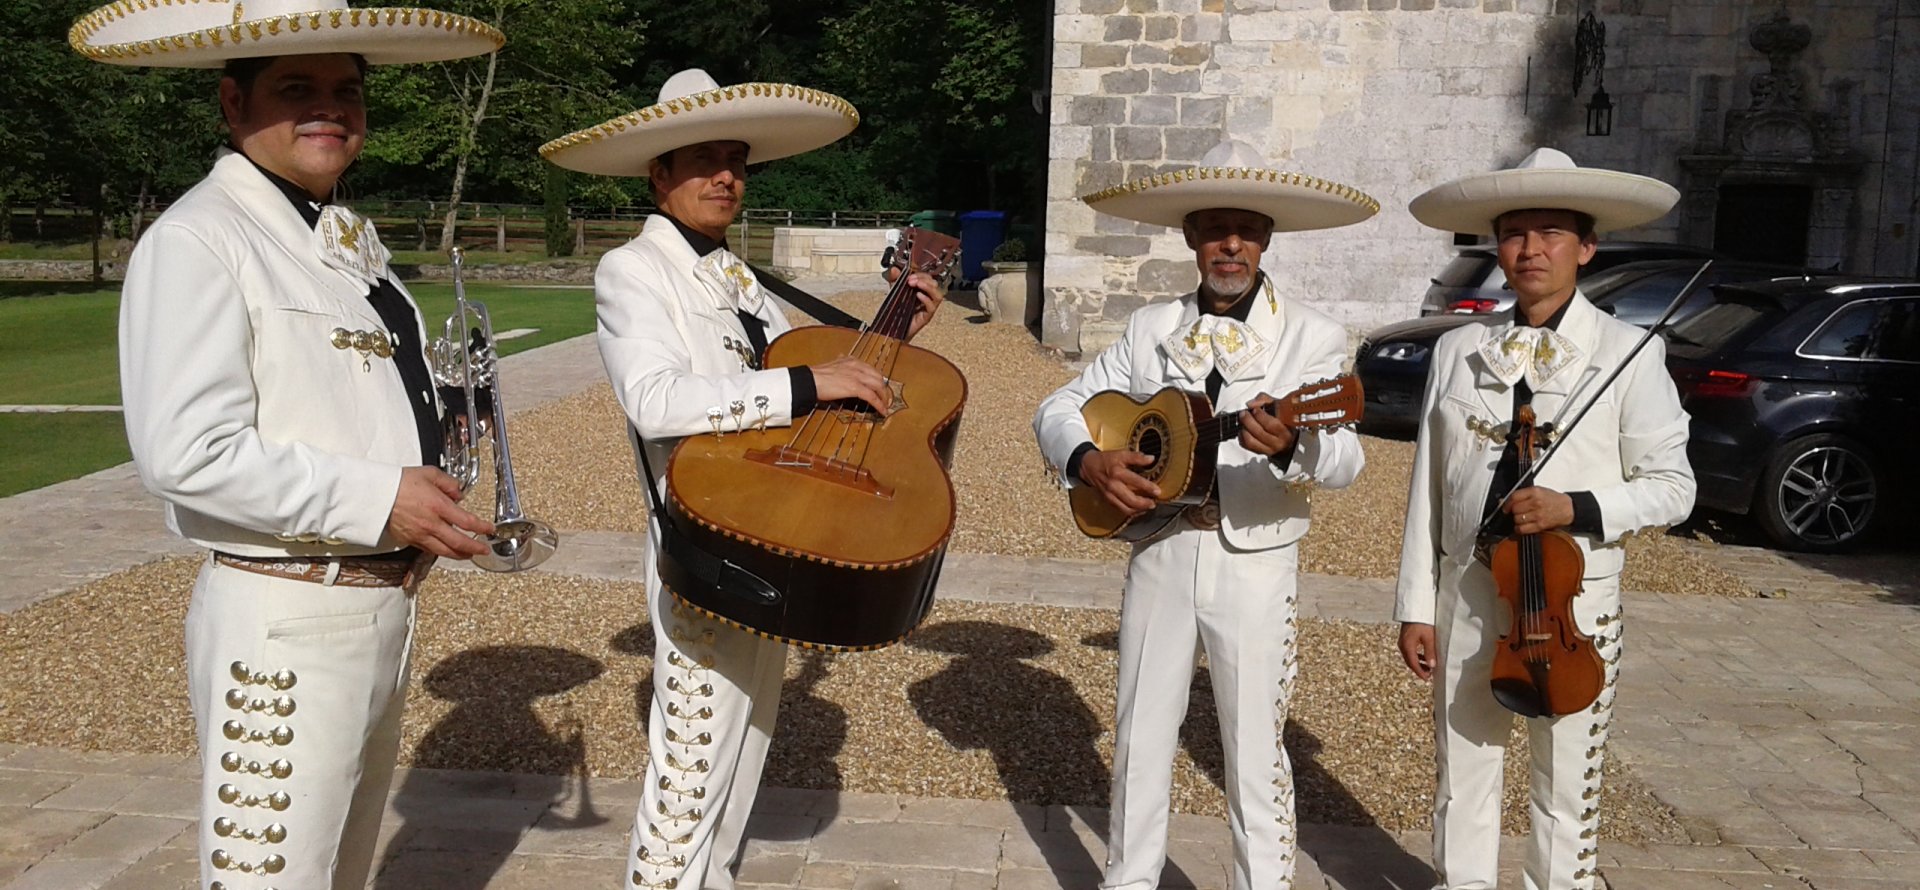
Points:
(279, 400)
(683, 324)
(1622, 469)
(1221, 577)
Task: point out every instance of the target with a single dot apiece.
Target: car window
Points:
(1726, 314)
(1464, 271)
(1847, 333)
(1898, 336)
(1642, 300)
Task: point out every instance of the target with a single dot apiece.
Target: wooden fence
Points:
(506, 228)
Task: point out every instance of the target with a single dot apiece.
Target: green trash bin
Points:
(946, 222)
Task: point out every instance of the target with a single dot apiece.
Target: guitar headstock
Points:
(1328, 403)
(925, 250)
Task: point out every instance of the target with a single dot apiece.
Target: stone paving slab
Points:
(449, 830)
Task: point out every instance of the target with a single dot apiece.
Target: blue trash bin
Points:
(980, 232)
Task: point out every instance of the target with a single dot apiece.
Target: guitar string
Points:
(815, 425)
(881, 348)
(871, 346)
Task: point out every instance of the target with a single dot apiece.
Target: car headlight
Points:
(1402, 352)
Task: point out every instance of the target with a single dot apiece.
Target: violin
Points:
(1544, 666)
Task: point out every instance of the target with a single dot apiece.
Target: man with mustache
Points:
(278, 400)
(1220, 578)
(683, 324)
(1624, 468)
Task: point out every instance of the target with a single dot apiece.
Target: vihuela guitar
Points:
(1180, 432)
(845, 515)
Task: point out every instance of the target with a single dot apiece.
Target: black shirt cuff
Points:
(800, 379)
(1072, 470)
(1283, 459)
(1586, 513)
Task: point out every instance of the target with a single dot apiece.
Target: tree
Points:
(559, 226)
(945, 90)
(478, 121)
(102, 136)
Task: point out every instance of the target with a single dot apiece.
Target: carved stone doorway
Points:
(1778, 179)
(1763, 222)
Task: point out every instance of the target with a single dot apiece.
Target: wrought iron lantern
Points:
(1590, 54)
(1600, 114)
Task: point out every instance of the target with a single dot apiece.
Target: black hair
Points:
(1582, 222)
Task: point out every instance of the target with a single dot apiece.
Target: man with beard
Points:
(1220, 577)
(683, 325)
(278, 399)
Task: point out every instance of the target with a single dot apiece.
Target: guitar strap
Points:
(704, 567)
(821, 310)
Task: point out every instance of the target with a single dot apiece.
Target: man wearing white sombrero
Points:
(683, 323)
(278, 400)
(1623, 468)
(1222, 577)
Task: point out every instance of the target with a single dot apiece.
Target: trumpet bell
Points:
(518, 544)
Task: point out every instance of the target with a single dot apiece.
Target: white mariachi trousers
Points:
(297, 690)
(1471, 730)
(716, 693)
(1185, 590)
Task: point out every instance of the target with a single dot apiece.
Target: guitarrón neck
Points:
(895, 317)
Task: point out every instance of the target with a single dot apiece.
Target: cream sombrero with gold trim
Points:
(775, 120)
(1545, 179)
(1233, 175)
(209, 33)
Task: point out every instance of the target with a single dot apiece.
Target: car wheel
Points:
(1819, 493)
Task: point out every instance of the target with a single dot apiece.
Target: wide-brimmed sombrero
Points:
(1233, 175)
(1545, 180)
(775, 120)
(210, 33)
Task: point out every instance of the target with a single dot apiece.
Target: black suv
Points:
(1803, 394)
(1472, 283)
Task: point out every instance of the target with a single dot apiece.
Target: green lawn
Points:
(61, 350)
(42, 449)
(558, 313)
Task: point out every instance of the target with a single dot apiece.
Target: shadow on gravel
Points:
(1032, 721)
(493, 728)
(1334, 828)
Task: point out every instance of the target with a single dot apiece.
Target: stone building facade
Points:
(1792, 129)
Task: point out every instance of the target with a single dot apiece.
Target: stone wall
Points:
(823, 251)
(1395, 96)
(57, 270)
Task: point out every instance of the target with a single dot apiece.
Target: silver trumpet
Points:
(466, 366)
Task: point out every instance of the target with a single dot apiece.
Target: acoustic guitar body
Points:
(1180, 432)
(845, 513)
(1158, 426)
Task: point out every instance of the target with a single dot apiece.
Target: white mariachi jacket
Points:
(1262, 505)
(1630, 451)
(263, 436)
(674, 348)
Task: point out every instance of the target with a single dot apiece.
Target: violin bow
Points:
(1560, 435)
